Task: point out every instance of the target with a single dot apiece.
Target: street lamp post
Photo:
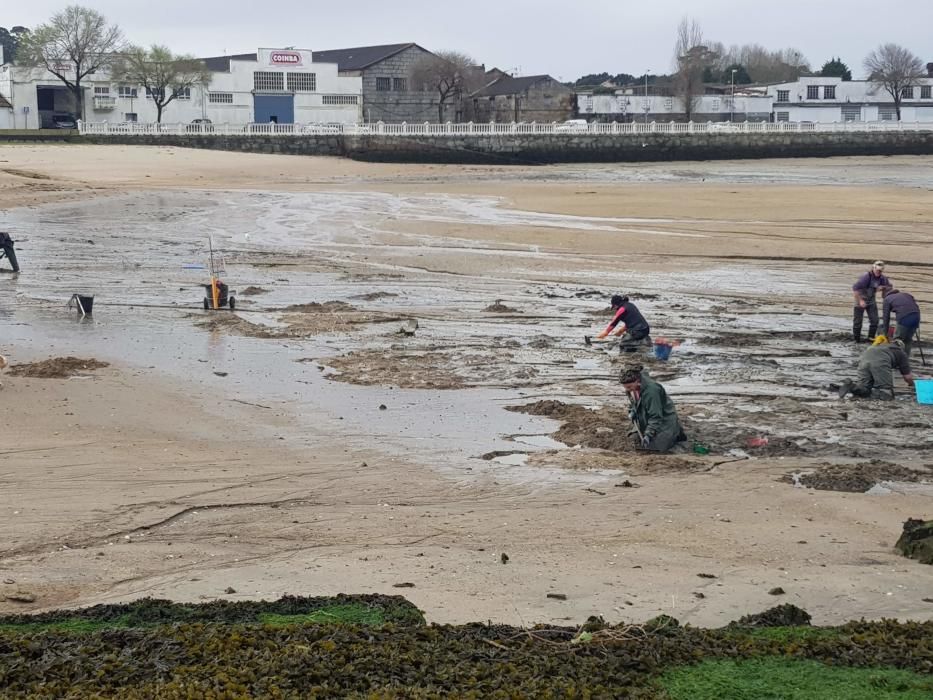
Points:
(732, 103)
(647, 105)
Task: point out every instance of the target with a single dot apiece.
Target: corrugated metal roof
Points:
(360, 57)
(221, 64)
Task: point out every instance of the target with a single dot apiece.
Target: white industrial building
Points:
(824, 100)
(279, 85)
(626, 106)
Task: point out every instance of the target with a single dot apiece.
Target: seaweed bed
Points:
(289, 648)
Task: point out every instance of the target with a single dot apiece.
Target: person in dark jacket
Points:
(875, 377)
(7, 250)
(651, 411)
(865, 292)
(634, 329)
(907, 313)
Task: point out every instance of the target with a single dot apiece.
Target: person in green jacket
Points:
(652, 411)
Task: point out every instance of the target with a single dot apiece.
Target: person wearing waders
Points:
(6, 250)
(634, 329)
(875, 377)
(651, 411)
(865, 291)
(907, 313)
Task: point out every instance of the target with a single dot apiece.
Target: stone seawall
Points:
(536, 149)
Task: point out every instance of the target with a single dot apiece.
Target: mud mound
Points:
(57, 368)
(500, 308)
(29, 174)
(429, 369)
(734, 341)
(603, 428)
(786, 615)
(253, 291)
(240, 326)
(541, 342)
(328, 307)
(916, 541)
(855, 478)
(374, 296)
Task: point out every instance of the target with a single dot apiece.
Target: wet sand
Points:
(256, 454)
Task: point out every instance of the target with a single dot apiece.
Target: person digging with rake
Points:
(875, 376)
(652, 412)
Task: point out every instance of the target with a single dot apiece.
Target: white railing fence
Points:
(491, 129)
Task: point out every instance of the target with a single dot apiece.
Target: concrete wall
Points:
(559, 148)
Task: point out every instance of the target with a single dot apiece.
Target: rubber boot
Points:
(845, 389)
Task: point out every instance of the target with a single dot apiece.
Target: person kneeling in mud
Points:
(875, 377)
(652, 411)
(634, 329)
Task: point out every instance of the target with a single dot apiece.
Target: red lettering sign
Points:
(285, 58)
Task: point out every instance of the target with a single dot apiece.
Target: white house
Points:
(626, 106)
(818, 99)
(280, 85)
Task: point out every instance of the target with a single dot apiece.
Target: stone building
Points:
(532, 98)
(388, 92)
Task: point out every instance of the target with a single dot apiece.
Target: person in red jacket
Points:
(634, 329)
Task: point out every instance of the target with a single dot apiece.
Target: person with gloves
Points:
(634, 329)
(875, 376)
(907, 313)
(651, 411)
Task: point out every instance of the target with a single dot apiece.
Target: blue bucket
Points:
(662, 351)
(924, 389)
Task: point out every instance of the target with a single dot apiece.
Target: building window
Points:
(399, 84)
(126, 91)
(183, 94)
(907, 93)
(340, 99)
(851, 113)
(220, 98)
(268, 80)
(715, 106)
(102, 91)
(130, 117)
(925, 92)
(782, 116)
(783, 95)
(302, 82)
(813, 92)
(669, 103)
(887, 114)
(151, 91)
(383, 84)
(829, 92)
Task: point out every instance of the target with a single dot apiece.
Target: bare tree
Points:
(691, 57)
(450, 73)
(895, 69)
(74, 43)
(763, 65)
(165, 76)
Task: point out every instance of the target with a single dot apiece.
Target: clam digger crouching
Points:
(628, 323)
(652, 411)
(875, 377)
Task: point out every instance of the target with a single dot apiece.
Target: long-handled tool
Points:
(920, 347)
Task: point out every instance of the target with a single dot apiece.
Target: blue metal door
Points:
(274, 108)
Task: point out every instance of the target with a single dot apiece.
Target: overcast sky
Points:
(566, 38)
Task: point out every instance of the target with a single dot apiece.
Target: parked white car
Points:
(572, 125)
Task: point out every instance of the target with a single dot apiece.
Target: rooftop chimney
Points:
(930, 69)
